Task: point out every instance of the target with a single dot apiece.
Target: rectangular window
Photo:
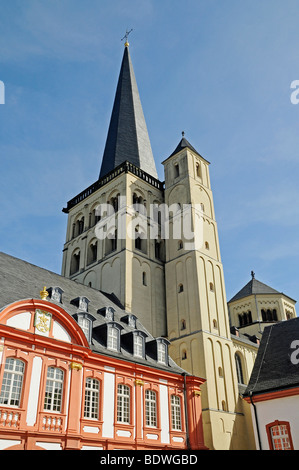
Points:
(150, 408)
(138, 346)
(176, 421)
(91, 404)
(12, 382)
(162, 353)
(54, 387)
(123, 404)
(112, 340)
(84, 323)
(280, 437)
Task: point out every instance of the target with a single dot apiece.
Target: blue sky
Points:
(220, 70)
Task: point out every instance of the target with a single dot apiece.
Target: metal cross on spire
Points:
(126, 36)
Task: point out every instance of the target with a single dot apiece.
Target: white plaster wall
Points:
(21, 321)
(108, 406)
(281, 409)
(34, 391)
(6, 443)
(60, 333)
(164, 413)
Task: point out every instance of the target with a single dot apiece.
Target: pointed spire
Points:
(127, 135)
(182, 144)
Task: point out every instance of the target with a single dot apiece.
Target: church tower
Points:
(154, 246)
(108, 244)
(197, 316)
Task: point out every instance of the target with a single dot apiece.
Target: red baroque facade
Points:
(58, 393)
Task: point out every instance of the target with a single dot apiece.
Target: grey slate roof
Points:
(254, 287)
(273, 368)
(21, 280)
(184, 143)
(127, 135)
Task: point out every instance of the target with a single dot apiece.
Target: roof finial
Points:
(126, 37)
(252, 274)
(44, 294)
(183, 133)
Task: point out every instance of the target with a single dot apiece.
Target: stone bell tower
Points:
(125, 261)
(197, 315)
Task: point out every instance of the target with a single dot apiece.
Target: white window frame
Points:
(138, 345)
(161, 352)
(92, 398)
(54, 390)
(84, 324)
(113, 338)
(12, 382)
(176, 413)
(150, 408)
(123, 403)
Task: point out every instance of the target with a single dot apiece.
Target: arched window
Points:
(92, 252)
(180, 245)
(224, 408)
(140, 239)
(111, 242)
(92, 398)
(180, 288)
(176, 170)
(184, 354)
(207, 246)
(75, 263)
(211, 287)
(269, 315)
(239, 369)
(183, 324)
(114, 201)
(279, 435)
(198, 172)
(158, 250)
(144, 280)
(245, 318)
(12, 382)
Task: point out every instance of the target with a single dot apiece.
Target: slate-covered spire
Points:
(127, 135)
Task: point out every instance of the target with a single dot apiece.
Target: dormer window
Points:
(138, 346)
(81, 303)
(157, 349)
(113, 338)
(85, 324)
(107, 312)
(161, 352)
(85, 320)
(132, 321)
(55, 293)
